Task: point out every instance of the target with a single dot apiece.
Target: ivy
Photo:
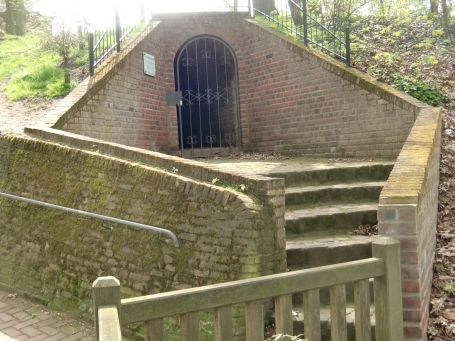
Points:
(420, 90)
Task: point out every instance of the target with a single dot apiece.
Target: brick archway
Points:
(206, 74)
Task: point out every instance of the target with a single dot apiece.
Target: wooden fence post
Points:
(387, 291)
(106, 291)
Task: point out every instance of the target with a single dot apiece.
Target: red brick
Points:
(411, 302)
(413, 332)
(410, 286)
(411, 315)
(407, 214)
(408, 257)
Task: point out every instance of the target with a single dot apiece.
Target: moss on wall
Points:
(55, 256)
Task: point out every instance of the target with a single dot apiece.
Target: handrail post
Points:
(142, 12)
(251, 8)
(118, 29)
(348, 47)
(106, 291)
(91, 56)
(305, 23)
(387, 291)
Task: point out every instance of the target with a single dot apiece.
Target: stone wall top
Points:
(405, 183)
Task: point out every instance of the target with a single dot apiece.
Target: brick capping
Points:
(406, 182)
(407, 211)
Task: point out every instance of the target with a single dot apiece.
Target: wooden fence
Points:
(111, 311)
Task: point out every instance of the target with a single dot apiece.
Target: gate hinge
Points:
(174, 98)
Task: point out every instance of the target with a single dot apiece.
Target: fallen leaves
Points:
(366, 230)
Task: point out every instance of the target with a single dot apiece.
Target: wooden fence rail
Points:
(384, 267)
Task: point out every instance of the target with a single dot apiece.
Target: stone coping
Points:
(405, 183)
(258, 184)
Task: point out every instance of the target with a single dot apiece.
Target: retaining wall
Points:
(293, 99)
(55, 256)
(407, 211)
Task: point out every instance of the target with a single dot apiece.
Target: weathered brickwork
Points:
(292, 99)
(55, 256)
(408, 212)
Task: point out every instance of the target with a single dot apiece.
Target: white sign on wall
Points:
(149, 64)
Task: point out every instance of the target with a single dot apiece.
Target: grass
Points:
(41, 80)
(18, 53)
(33, 72)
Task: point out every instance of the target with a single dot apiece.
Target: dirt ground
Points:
(14, 116)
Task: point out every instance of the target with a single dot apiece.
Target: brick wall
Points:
(300, 101)
(408, 212)
(55, 256)
(292, 99)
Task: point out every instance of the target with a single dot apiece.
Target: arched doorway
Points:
(208, 117)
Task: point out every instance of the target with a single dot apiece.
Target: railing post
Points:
(142, 12)
(251, 8)
(154, 330)
(118, 30)
(387, 291)
(305, 23)
(283, 314)
(254, 319)
(348, 47)
(106, 291)
(91, 57)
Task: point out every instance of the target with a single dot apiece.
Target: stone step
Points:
(334, 173)
(328, 220)
(346, 193)
(298, 322)
(305, 253)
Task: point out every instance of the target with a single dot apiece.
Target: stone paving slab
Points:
(22, 319)
(291, 165)
(329, 210)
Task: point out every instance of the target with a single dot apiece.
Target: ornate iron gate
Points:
(206, 75)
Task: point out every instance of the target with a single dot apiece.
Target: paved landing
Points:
(295, 164)
(22, 319)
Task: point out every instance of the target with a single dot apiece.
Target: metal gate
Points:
(206, 77)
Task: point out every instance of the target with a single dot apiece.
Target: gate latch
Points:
(174, 98)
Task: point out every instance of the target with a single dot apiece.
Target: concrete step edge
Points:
(294, 213)
(304, 189)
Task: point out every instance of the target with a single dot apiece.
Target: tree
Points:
(14, 17)
(265, 6)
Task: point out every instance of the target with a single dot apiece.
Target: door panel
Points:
(207, 76)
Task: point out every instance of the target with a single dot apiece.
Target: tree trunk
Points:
(14, 17)
(296, 12)
(434, 6)
(445, 14)
(265, 6)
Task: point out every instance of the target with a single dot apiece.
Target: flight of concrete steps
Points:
(323, 204)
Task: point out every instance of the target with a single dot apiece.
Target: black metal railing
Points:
(102, 43)
(327, 35)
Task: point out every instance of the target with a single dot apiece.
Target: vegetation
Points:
(38, 65)
(40, 80)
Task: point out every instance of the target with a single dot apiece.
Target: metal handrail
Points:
(97, 53)
(336, 44)
(96, 216)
